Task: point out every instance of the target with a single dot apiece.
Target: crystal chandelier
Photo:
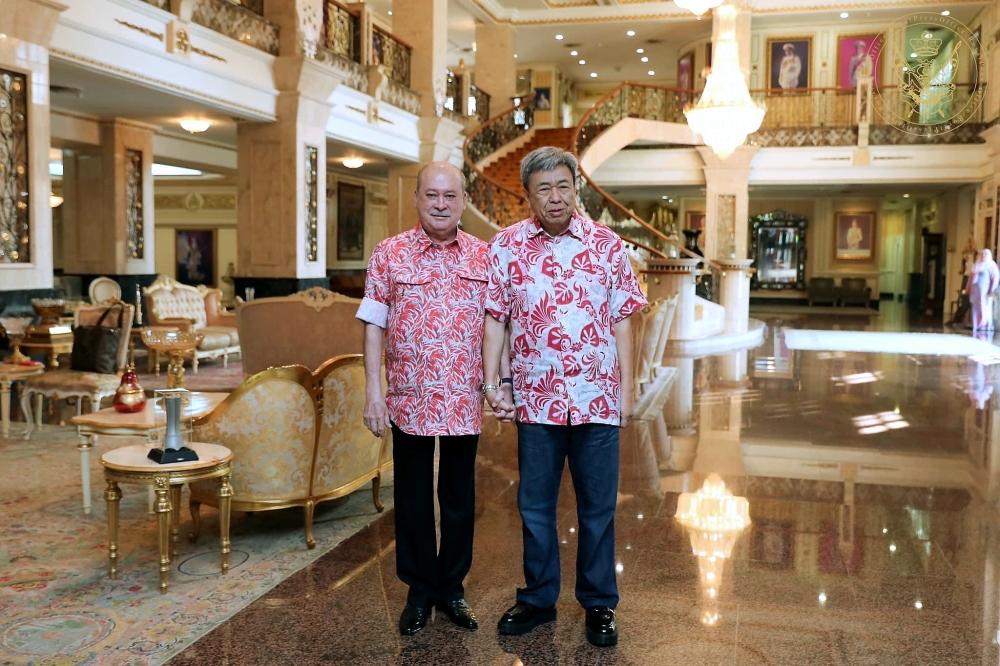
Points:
(725, 114)
(698, 7)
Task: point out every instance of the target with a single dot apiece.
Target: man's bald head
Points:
(437, 167)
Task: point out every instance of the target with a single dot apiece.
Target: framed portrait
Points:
(685, 76)
(851, 52)
(543, 98)
(771, 545)
(855, 235)
(694, 219)
(789, 61)
(350, 222)
(196, 256)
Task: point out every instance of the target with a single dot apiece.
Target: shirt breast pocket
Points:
(412, 288)
(472, 286)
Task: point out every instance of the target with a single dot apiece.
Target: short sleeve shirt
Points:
(562, 297)
(429, 298)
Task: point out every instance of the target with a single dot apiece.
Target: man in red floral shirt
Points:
(564, 286)
(423, 304)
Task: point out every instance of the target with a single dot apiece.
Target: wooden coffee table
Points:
(10, 373)
(130, 464)
(148, 423)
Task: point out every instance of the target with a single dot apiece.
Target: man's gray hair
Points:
(461, 175)
(546, 158)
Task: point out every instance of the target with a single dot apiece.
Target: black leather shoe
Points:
(413, 619)
(460, 612)
(523, 617)
(601, 628)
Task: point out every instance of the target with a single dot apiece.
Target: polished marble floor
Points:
(869, 481)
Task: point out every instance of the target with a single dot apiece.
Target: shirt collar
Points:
(425, 243)
(574, 229)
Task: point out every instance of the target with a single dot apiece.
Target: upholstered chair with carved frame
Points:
(104, 288)
(298, 439)
(78, 384)
(199, 309)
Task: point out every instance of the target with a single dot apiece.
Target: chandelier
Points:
(698, 7)
(725, 114)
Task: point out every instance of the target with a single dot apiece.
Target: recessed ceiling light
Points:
(390, 12)
(583, 62)
(630, 33)
(644, 59)
(353, 162)
(946, 13)
(913, 55)
(664, 196)
(844, 14)
(593, 75)
(573, 53)
(559, 36)
(906, 196)
(195, 125)
(651, 72)
(515, 56)
(918, 604)
(670, 200)
(640, 50)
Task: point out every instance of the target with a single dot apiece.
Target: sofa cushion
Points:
(73, 382)
(180, 303)
(216, 337)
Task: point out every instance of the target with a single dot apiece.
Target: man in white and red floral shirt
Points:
(423, 305)
(564, 287)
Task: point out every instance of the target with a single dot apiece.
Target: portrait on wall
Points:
(855, 235)
(350, 222)
(196, 256)
(685, 78)
(771, 545)
(852, 51)
(788, 64)
(694, 220)
(543, 99)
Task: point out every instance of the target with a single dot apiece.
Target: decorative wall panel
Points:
(234, 21)
(725, 226)
(312, 203)
(15, 214)
(134, 230)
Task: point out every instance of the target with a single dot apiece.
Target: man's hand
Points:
(627, 407)
(502, 404)
(376, 414)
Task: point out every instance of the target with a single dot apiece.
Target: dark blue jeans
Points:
(592, 450)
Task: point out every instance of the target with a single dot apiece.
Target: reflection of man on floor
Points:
(854, 236)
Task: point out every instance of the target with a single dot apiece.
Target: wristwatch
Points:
(486, 388)
(506, 380)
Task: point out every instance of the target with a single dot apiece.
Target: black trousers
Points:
(434, 575)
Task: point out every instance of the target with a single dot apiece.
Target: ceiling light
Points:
(54, 201)
(515, 56)
(630, 33)
(918, 604)
(195, 125)
(651, 73)
(698, 7)
(390, 12)
(640, 50)
(353, 162)
(664, 196)
(593, 75)
(844, 14)
(473, 47)
(583, 62)
(945, 13)
(906, 196)
(913, 55)
(559, 36)
(670, 200)
(168, 170)
(644, 59)
(574, 53)
(822, 597)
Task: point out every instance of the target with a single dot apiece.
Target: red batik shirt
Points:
(562, 297)
(429, 299)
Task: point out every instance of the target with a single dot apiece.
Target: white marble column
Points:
(727, 202)
(496, 68)
(679, 415)
(666, 277)
(734, 293)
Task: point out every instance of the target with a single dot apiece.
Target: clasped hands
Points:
(501, 402)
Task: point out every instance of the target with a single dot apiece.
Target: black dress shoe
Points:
(460, 612)
(523, 617)
(601, 628)
(413, 619)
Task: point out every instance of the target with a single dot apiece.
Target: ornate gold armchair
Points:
(198, 309)
(62, 384)
(306, 328)
(297, 439)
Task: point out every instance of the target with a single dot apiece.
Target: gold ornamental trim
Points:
(203, 52)
(158, 36)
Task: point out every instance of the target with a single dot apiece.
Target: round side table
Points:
(129, 464)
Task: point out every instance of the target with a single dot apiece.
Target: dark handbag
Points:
(95, 347)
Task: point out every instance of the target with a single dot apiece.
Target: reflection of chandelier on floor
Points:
(725, 114)
(714, 518)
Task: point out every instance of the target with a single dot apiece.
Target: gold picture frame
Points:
(854, 235)
(802, 48)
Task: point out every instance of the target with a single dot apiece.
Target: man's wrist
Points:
(487, 388)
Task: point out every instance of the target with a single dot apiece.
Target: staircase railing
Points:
(630, 100)
(499, 204)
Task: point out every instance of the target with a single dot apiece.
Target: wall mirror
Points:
(778, 247)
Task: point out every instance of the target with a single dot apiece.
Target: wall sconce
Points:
(54, 201)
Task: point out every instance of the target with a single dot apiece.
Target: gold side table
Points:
(129, 464)
(8, 375)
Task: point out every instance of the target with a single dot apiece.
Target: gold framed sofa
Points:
(306, 328)
(298, 438)
(170, 303)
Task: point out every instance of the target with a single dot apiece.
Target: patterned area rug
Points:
(57, 604)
